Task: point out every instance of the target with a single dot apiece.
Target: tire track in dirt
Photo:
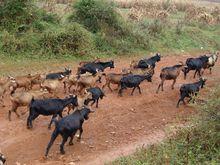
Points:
(116, 128)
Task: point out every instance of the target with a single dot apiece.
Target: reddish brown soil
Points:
(118, 126)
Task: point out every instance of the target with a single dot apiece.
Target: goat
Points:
(67, 127)
(23, 98)
(187, 90)
(212, 59)
(150, 62)
(4, 87)
(82, 63)
(81, 99)
(51, 85)
(26, 81)
(133, 81)
(97, 94)
(195, 64)
(170, 73)
(88, 81)
(94, 67)
(48, 107)
(2, 159)
(134, 64)
(140, 71)
(72, 80)
(59, 75)
(112, 78)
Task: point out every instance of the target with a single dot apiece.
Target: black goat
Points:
(59, 75)
(133, 81)
(97, 94)
(195, 64)
(67, 127)
(150, 62)
(49, 107)
(94, 67)
(187, 90)
(2, 159)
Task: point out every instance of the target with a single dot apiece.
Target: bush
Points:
(71, 39)
(94, 13)
(13, 44)
(22, 13)
(156, 27)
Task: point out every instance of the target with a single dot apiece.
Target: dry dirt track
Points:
(116, 128)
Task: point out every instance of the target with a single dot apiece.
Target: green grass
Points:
(116, 37)
(198, 143)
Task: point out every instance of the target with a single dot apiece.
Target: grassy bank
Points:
(106, 29)
(198, 143)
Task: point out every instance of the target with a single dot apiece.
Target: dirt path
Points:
(119, 126)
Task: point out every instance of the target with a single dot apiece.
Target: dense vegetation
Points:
(102, 27)
(199, 143)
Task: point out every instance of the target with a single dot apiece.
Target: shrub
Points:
(13, 44)
(16, 12)
(73, 39)
(155, 27)
(94, 13)
(22, 13)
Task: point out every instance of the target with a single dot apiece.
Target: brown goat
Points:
(26, 81)
(23, 98)
(4, 87)
(72, 80)
(88, 81)
(51, 85)
(113, 78)
(170, 73)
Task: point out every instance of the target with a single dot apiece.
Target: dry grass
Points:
(205, 12)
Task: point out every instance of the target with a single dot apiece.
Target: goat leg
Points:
(174, 81)
(195, 74)
(71, 138)
(158, 88)
(97, 103)
(52, 139)
(54, 116)
(139, 89)
(80, 133)
(133, 91)
(62, 144)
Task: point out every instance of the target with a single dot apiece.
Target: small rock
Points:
(106, 141)
(17, 163)
(71, 163)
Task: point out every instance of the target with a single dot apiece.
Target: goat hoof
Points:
(78, 139)
(29, 127)
(62, 152)
(70, 143)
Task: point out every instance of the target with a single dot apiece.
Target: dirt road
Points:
(118, 126)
